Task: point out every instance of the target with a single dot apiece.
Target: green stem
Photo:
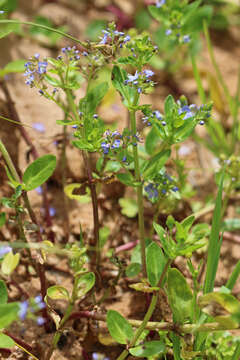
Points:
(217, 70)
(9, 162)
(139, 331)
(43, 27)
(235, 117)
(198, 80)
(139, 194)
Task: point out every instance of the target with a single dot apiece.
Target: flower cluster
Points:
(72, 53)
(29, 307)
(34, 70)
(111, 35)
(141, 80)
(161, 185)
(189, 111)
(113, 141)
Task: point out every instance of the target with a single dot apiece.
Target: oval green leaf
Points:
(6, 341)
(58, 292)
(148, 349)
(84, 284)
(119, 327)
(39, 171)
(8, 314)
(9, 263)
(155, 261)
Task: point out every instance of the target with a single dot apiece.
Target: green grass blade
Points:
(214, 243)
(236, 354)
(234, 276)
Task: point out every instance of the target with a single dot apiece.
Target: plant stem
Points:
(45, 28)
(198, 80)
(64, 176)
(139, 195)
(217, 70)
(91, 185)
(139, 331)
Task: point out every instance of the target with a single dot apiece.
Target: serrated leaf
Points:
(58, 292)
(6, 341)
(9, 263)
(3, 292)
(84, 284)
(155, 261)
(119, 327)
(149, 348)
(39, 171)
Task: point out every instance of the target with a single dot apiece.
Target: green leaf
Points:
(169, 105)
(112, 166)
(39, 171)
(83, 144)
(94, 29)
(129, 207)
(8, 314)
(133, 269)
(155, 261)
(93, 98)
(6, 341)
(151, 140)
(6, 29)
(231, 224)
(126, 179)
(2, 219)
(128, 93)
(180, 296)
(84, 283)
(3, 292)
(214, 243)
(13, 67)
(58, 292)
(9, 263)
(142, 19)
(155, 164)
(234, 276)
(119, 327)
(149, 348)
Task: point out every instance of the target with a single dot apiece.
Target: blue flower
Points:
(2, 12)
(39, 190)
(39, 127)
(151, 191)
(52, 211)
(201, 122)
(23, 310)
(105, 147)
(160, 3)
(4, 250)
(139, 90)
(104, 38)
(126, 39)
(164, 191)
(168, 32)
(186, 39)
(40, 304)
(158, 114)
(124, 159)
(42, 67)
(175, 188)
(148, 73)
(40, 320)
(116, 144)
(118, 33)
(132, 78)
(95, 116)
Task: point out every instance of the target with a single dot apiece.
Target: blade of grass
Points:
(236, 354)
(214, 243)
(234, 276)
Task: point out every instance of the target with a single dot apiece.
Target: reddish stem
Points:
(127, 246)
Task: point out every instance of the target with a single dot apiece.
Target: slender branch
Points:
(139, 195)
(45, 28)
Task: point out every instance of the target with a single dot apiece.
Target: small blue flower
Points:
(4, 250)
(186, 39)
(105, 147)
(164, 191)
(23, 310)
(168, 32)
(201, 122)
(151, 191)
(160, 3)
(52, 211)
(39, 190)
(59, 57)
(148, 73)
(175, 188)
(74, 126)
(126, 39)
(76, 57)
(139, 90)
(95, 116)
(115, 133)
(132, 78)
(2, 12)
(37, 56)
(42, 67)
(40, 320)
(158, 114)
(116, 144)
(124, 159)
(39, 127)
(164, 123)
(104, 39)
(41, 92)
(85, 53)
